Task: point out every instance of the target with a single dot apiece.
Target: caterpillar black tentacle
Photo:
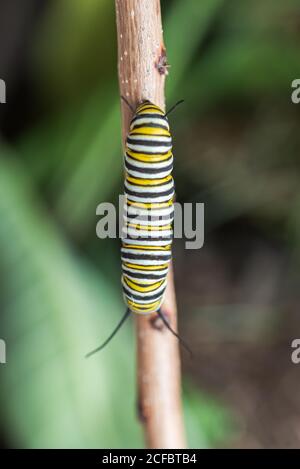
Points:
(119, 325)
(173, 107)
(128, 103)
(168, 326)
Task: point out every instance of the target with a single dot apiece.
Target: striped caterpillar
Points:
(149, 190)
(148, 213)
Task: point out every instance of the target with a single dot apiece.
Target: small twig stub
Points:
(162, 62)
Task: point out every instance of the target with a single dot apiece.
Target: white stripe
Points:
(153, 150)
(138, 252)
(148, 222)
(150, 120)
(151, 138)
(141, 281)
(152, 242)
(147, 175)
(142, 199)
(135, 310)
(144, 302)
(149, 213)
(147, 234)
(151, 262)
(153, 189)
(141, 164)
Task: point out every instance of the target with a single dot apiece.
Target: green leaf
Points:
(185, 28)
(242, 68)
(56, 309)
(208, 422)
(77, 160)
(74, 51)
(92, 179)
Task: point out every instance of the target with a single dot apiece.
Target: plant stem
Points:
(142, 71)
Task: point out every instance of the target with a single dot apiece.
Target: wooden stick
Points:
(142, 71)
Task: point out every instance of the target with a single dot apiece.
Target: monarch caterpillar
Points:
(149, 212)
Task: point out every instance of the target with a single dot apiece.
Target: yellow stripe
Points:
(140, 289)
(150, 205)
(149, 109)
(146, 267)
(144, 309)
(146, 104)
(156, 157)
(138, 226)
(150, 131)
(149, 248)
(148, 182)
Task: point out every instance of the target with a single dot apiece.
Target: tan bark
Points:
(142, 72)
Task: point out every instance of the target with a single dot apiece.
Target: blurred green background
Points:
(236, 144)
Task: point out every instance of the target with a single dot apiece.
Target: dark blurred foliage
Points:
(236, 147)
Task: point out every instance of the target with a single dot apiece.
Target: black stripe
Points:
(132, 295)
(141, 218)
(141, 116)
(151, 125)
(127, 207)
(149, 218)
(149, 162)
(139, 238)
(131, 167)
(144, 257)
(149, 143)
(144, 276)
(148, 195)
